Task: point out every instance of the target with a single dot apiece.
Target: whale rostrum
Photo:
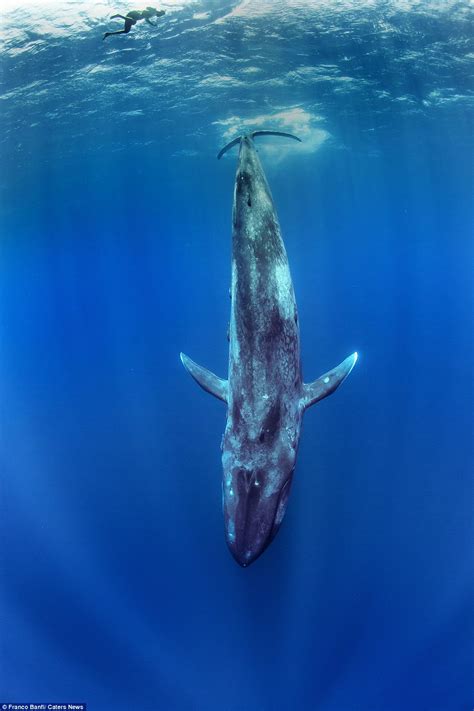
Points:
(264, 391)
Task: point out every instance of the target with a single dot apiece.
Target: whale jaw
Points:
(252, 520)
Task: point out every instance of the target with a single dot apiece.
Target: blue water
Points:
(117, 588)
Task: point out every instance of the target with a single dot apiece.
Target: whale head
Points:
(258, 464)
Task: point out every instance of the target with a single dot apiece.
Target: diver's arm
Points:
(153, 24)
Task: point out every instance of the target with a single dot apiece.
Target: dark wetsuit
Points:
(132, 17)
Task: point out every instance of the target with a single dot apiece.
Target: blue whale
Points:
(265, 393)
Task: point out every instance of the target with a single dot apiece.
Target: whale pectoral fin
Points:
(327, 383)
(203, 377)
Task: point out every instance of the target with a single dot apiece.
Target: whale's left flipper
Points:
(327, 383)
(207, 380)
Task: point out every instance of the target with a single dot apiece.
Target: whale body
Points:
(264, 392)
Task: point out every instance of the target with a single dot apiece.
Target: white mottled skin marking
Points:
(284, 290)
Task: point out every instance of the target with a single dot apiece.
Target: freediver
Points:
(132, 17)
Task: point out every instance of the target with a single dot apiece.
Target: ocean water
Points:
(116, 585)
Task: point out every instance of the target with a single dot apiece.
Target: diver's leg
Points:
(118, 32)
(128, 25)
(113, 17)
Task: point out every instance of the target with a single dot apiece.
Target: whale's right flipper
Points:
(207, 380)
(327, 383)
